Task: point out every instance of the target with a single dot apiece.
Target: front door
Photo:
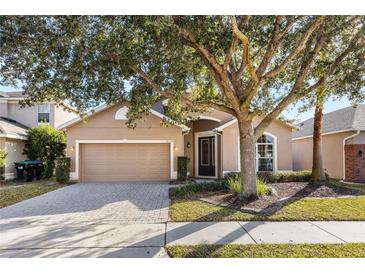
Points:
(206, 154)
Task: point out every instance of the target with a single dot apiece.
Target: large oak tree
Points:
(248, 66)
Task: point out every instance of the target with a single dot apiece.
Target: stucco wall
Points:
(4, 109)
(284, 147)
(14, 148)
(61, 116)
(103, 126)
(357, 140)
(189, 151)
(332, 151)
(28, 116)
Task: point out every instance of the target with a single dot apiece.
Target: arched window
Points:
(121, 114)
(265, 153)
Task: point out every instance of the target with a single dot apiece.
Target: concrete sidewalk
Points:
(264, 232)
(86, 239)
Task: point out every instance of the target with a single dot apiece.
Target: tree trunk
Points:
(247, 159)
(318, 173)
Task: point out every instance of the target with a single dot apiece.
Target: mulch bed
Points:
(282, 192)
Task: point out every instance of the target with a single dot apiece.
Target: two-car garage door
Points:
(125, 162)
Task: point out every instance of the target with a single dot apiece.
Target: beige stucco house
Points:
(343, 141)
(104, 149)
(15, 120)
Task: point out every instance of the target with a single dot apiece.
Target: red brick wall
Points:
(355, 163)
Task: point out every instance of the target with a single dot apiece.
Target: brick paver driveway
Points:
(88, 220)
(107, 203)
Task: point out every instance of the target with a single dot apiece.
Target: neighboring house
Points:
(105, 149)
(343, 144)
(15, 120)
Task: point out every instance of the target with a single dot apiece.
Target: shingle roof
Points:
(12, 129)
(350, 118)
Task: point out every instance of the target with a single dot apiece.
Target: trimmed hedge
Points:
(182, 191)
(63, 165)
(279, 177)
(182, 168)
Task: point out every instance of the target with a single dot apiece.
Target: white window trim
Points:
(203, 117)
(275, 156)
(49, 113)
(121, 113)
(205, 134)
(76, 175)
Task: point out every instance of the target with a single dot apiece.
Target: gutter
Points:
(343, 153)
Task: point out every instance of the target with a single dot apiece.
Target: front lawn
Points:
(11, 193)
(269, 251)
(191, 208)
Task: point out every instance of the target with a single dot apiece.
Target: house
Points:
(105, 149)
(343, 144)
(15, 120)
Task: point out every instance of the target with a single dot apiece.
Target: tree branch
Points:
(230, 51)
(246, 50)
(352, 45)
(300, 46)
(272, 46)
(184, 99)
(221, 78)
(293, 95)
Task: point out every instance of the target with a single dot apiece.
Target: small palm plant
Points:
(234, 185)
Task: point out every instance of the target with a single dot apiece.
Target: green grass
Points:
(354, 186)
(324, 209)
(269, 251)
(10, 193)
(338, 209)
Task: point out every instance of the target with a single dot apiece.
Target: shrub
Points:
(182, 168)
(279, 177)
(234, 185)
(262, 188)
(3, 155)
(183, 191)
(46, 144)
(63, 165)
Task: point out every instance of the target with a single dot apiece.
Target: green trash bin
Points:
(28, 170)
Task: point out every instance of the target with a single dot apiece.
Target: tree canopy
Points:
(248, 66)
(260, 63)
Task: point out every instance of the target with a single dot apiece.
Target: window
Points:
(121, 114)
(265, 153)
(213, 152)
(43, 113)
(204, 152)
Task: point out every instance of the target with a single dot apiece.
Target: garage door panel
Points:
(125, 162)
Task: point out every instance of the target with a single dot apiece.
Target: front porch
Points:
(212, 145)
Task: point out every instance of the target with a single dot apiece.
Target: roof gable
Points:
(103, 108)
(345, 119)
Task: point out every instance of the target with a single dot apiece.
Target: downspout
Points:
(343, 153)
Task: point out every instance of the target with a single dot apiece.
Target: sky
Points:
(291, 112)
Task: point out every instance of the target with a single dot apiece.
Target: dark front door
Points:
(206, 153)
